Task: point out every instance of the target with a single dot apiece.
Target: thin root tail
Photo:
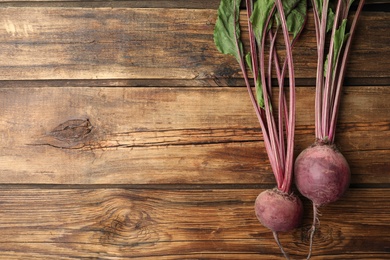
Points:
(280, 245)
(313, 229)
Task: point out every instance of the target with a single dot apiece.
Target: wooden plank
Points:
(194, 4)
(177, 224)
(170, 135)
(176, 4)
(137, 43)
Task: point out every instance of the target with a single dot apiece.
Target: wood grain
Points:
(154, 43)
(169, 135)
(123, 135)
(174, 4)
(147, 4)
(177, 224)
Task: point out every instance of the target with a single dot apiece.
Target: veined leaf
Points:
(259, 94)
(248, 59)
(261, 11)
(258, 87)
(339, 39)
(296, 17)
(295, 11)
(227, 29)
(290, 5)
(330, 20)
(338, 42)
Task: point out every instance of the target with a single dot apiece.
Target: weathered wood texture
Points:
(138, 43)
(186, 224)
(124, 135)
(170, 135)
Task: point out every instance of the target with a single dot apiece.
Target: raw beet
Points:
(278, 211)
(322, 174)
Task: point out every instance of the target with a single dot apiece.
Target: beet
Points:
(278, 211)
(322, 174)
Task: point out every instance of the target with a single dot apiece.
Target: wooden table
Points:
(125, 134)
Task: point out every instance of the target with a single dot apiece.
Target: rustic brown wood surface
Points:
(142, 43)
(125, 134)
(158, 135)
(171, 224)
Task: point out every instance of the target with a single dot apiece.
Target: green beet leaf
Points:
(258, 87)
(261, 11)
(330, 20)
(259, 95)
(296, 17)
(339, 39)
(227, 29)
(248, 60)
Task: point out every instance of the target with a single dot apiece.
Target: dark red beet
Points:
(278, 211)
(322, 174)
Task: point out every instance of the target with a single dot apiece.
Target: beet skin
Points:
(278, 211)
(322, 174)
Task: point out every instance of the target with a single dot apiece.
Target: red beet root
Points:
(275, 208)
(322, 174)
(278, 211)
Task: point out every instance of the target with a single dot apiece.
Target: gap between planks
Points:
(376, 5)
(171, 83)
(176, 187)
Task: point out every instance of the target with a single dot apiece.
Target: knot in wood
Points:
(72, 130)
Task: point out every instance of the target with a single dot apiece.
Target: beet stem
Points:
(280, 245)
(340, 79)
(286, 187)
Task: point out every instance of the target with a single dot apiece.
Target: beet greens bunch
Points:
(278, 209)
(321, 172)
